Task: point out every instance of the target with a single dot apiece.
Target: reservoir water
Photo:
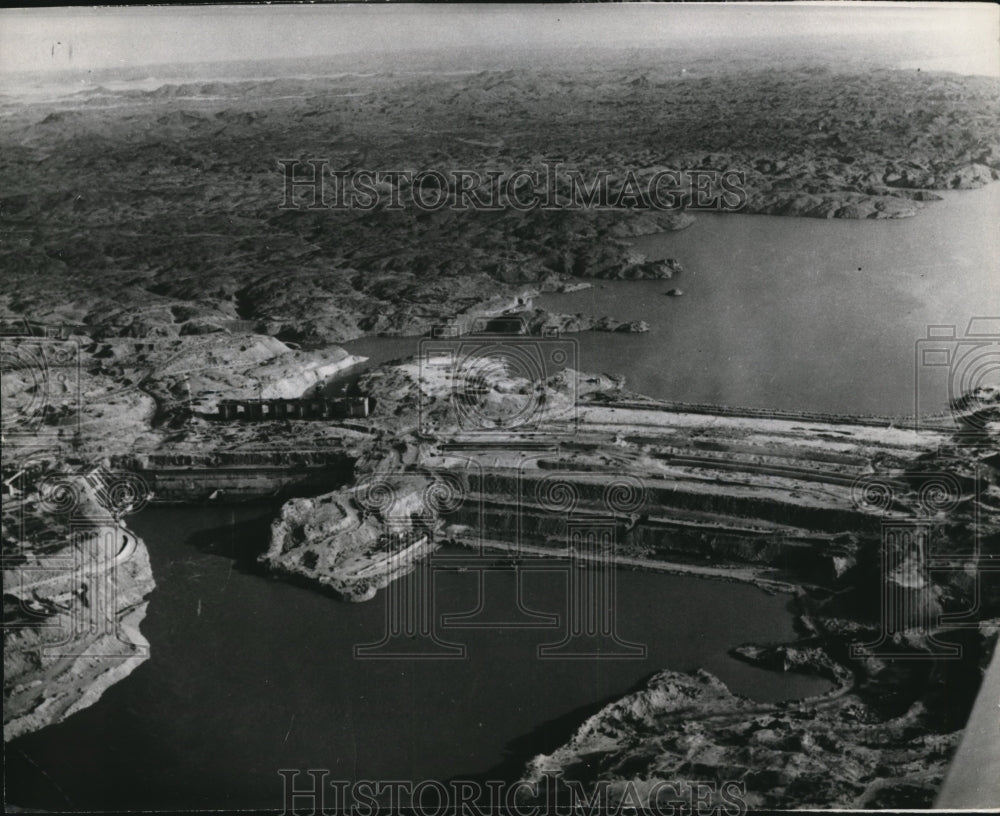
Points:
(800, 313)
(792, 313)
(248, 675)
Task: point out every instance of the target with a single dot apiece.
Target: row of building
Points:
(302, 408)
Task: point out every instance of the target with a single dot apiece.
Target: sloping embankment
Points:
(73, 605)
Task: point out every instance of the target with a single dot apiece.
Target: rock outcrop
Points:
(72, 606)
(358, 540)
(813, 753)
(210, 247)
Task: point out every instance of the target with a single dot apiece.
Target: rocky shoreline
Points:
(79, 630)
(762, 508)
(727, 494)
(877, 714)
(195, 285)
(319, 276)
(818, 752)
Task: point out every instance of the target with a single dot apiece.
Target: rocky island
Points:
(171, 328)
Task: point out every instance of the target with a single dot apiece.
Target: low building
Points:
(259, 410)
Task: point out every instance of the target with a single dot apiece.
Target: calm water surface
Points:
(800, 313)
(792, 313)
(249, 675)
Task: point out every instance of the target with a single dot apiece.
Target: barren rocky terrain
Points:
(157, 212)
(144, 228)
(75, 586)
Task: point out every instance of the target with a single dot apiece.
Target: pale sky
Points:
(38, 39)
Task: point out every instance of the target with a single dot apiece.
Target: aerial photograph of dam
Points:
(541, 409)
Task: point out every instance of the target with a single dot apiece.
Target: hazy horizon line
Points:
(54, 40)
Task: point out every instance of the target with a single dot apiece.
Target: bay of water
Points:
(800, 313)
(248, 675)
(792, 313)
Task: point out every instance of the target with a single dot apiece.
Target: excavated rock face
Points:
(244, 366)
(122, 397)
(359, 539)
(73, 604)
(884, 737)
(157, 301)
(750, 493)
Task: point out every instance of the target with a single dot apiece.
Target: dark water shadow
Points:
(546, 738)
(241, 542)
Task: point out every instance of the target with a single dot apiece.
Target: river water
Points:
(800, 313)
(248, 675)
(793, 313)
